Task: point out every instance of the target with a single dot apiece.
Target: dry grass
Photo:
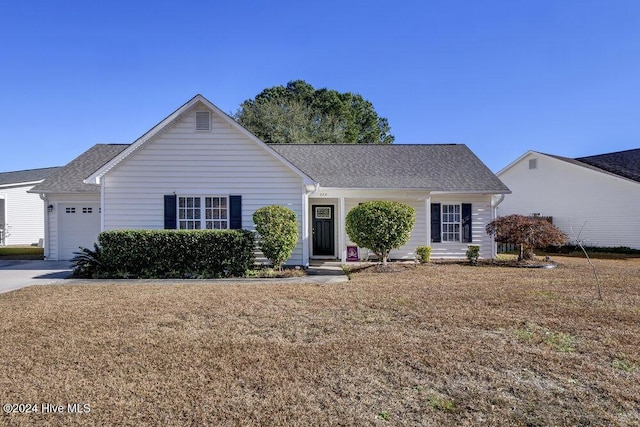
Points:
(438, 344)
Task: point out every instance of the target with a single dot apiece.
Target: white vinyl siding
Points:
(184, 162)
(24, 215)
(481, 215)
(605, 207)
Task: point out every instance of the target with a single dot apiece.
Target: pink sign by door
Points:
(352, 253)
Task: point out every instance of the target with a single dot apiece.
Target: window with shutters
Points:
(203, 212)
(451, 220)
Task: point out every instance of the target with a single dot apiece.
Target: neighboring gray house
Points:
(21, 213)
(597, 198)
(199, 168)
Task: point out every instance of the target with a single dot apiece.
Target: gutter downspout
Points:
(494, 214)
(45, 251)
(308, 190)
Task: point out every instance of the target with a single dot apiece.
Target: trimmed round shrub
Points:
(277, 227)
(381, 226)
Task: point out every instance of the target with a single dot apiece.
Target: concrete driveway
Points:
(18, 274)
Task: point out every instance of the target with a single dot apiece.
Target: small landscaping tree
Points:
(528, 232)
(278, 230)
(381, 226)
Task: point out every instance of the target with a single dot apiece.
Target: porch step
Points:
(325, 268)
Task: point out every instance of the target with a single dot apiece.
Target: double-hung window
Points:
(203, 212)
(451, 220)
(216, 213)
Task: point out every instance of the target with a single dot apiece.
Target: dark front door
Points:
(323, 243)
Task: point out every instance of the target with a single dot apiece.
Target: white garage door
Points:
(79, 226)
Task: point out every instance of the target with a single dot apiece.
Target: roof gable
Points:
(624, 164)
(95, 177)
(433, 167)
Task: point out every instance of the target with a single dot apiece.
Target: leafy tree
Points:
(278, 230)
(299, 113)
(528, 232)
(381, 226)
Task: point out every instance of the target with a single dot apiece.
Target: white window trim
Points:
(203, 211)
(442, 222)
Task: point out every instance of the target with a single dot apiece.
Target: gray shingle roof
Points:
(434, 167)
(447, 167)
(69, 179)
(31, 175)
(623, 163)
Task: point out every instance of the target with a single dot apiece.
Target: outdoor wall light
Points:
(50, 208)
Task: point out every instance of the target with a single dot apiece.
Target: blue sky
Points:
(503, 77)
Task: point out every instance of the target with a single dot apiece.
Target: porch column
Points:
(427, 207)
(342, 237)
(102, 206)
(305, 229)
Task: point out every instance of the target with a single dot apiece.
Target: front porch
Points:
(325, 224)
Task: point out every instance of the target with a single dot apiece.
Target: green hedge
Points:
(623, 250)
(157, 254)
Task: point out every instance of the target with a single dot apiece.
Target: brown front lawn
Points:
(438, 344)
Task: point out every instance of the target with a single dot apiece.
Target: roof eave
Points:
(87, 191)
(505, 191)
(21, 184)
(431, 191)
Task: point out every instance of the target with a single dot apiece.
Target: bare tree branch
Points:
(579, 242)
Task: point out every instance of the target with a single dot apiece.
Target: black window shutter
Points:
(235, 212)
(170, 214)
(466, 222)
(435, 223)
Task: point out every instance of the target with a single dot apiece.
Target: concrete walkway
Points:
(19, 274)
(16, 274)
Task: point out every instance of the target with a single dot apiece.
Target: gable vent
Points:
(203, 120)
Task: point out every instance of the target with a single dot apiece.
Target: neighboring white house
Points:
(198, 168)
(595, 198)
(21, 213)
